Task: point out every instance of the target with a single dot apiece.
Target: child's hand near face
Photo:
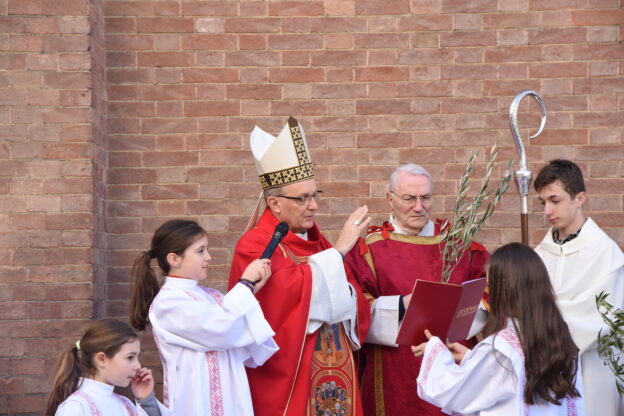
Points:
(258, 271)
(143, 383)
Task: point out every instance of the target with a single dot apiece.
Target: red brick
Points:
(470, 105)
(67, 80)
(252, 25)
(296, 8)
(65, 7)
(209, 8)
(373, 107)
(330, 58)
(120, 25)
(129, 42)
(66, 44)
(128, 8)
(382, 40)
(557, 18)
(426, 56)
(13, 61)
(513, 53)
(469, 72)
(390, 7)
(169, 125)
(130, 76)
(557, 36)
(468, 38)
(556, 4)
(214, 174)
(382, 74)
(510, 20)
(558, 70)
(251, 42)
(252, 58)
(597, 17)
(72, 221)
(151, 192)
(158, 59)
(210, 75)
(209, 42)
(12, 310)
(599, 52)
(302, 108)
(458, 6)
(24, 7)
(165, 25)
(167, 92)
(295, 41)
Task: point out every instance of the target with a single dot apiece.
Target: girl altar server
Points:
(106, 356)
(205, 339)
(528, 364)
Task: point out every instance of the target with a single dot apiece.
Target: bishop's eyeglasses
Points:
(304, 199)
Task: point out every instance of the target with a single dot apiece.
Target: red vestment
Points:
(284, 385)
(387, 264)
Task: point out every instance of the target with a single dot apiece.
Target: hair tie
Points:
(78, 345)
(151, 254)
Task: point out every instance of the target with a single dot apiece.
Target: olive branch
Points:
(468, 217)
(611, 345)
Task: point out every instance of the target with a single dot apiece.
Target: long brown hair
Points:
(107, 336)
(174, 236)
(520, 289)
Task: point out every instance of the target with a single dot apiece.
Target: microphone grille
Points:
(282, 229)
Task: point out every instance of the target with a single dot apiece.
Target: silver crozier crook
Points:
(523, 175)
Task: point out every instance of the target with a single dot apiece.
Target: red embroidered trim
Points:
(511, 337)
(95, 411)
(132, 411)
(439, 347)
(216, 394)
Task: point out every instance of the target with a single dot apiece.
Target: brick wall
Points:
(118, 115)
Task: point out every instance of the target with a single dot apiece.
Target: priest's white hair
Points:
(410, 169)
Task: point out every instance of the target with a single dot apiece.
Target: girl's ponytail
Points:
(66, 379)
(144, 291)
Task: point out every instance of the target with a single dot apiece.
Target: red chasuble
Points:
(309, 373)
(387, 264)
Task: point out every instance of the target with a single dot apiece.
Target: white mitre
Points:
(283, 159)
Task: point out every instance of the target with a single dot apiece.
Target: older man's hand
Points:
(352, 229)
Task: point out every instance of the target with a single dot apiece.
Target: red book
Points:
(446, 310)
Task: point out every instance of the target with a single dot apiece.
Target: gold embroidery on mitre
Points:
(293, 174)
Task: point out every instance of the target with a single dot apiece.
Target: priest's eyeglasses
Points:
(410, 200)
(304, 199)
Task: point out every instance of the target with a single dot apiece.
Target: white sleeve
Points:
(203, 326)
(72, 408)
(482, 380)
(332, 298)
(384, 321)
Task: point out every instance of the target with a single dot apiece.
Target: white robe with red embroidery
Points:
(488, 382)
(94, 398)
(205, 341)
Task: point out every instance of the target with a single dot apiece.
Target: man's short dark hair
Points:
(565, 171)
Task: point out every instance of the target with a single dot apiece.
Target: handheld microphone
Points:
(280, 232)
